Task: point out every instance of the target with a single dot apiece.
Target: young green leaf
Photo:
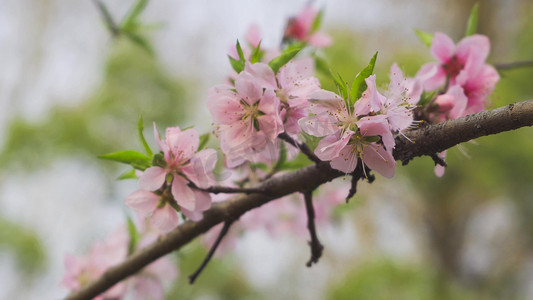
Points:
(359, 84)
(128, 175)
(139, 41)
(283, 59)
(257, 55)
(140, 127)
(240, 52)
(471, 26)
(237, 65)
(135, 159)
(282, 158)
(322, 66)
(131, 18)
(204, 138)
(134, 235)
(425, 37)
(317, 22)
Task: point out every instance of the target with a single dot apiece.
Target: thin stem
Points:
(514, 65)
(230, 190)
(302, 146)
(438, 160)
(314, 244)
(221, 235)
(108, 19)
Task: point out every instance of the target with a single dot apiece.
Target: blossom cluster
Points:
(147, 284)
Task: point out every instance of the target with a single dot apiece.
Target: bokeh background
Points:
(69, 92)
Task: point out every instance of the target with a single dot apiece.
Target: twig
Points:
(108, 19)
(314, 243)
(438, 160)
(356, 175)
(302, 146)
(430, 139)
(514, 65)
(221, 235)
(230, 190)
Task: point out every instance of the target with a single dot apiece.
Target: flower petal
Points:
(379, 160)
(143, 201)
(442, 47)
(182, 193)
(152, 178)
(165, 218)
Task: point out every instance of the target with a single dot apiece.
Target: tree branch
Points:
(302, 146)
(428, 140)
(514, 65)
(221, 235)
(314, 243)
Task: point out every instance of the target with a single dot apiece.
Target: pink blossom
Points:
(300, 28)
(182, 165)
(349, 134)
(293, 83)
(80, 271)
(247, 117)
(462, 65)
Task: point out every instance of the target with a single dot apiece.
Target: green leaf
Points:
(257, 55)
(135, 159)
(317, 22)
(342, 86)
(240, 52)
(259, 165)
(237, 65)
(299, 162)
(322, 66)
(140, 127)
(283, 59)
(282, 158)
(128, 175)
(471, 26)
(204, 138)
(359, 84)
(131, 18)
(134, 235)
(159, 160)
(425, 37)
(139, 41)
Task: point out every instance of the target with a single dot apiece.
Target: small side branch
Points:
(207, 259)
(302, 146)
(108, 19)
(230, 190)
(514, 65)
(316, 246)
(438, 160)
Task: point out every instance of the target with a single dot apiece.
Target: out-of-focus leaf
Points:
(131, 18)
(317, 22)
(359, 84)
(130, 157)
(140, 41)
(134, 235)
(425, 37)
(471, 26)
(283, 59)
(128, 175)
(140, 127)
(204, 138)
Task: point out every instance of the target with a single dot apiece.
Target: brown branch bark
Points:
(428, 140)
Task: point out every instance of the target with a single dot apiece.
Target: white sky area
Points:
(52, 52)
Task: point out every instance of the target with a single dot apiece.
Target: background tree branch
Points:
(428, 140)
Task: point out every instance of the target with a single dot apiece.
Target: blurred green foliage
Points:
(385, 279)
(24, 245)
(133, 84)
